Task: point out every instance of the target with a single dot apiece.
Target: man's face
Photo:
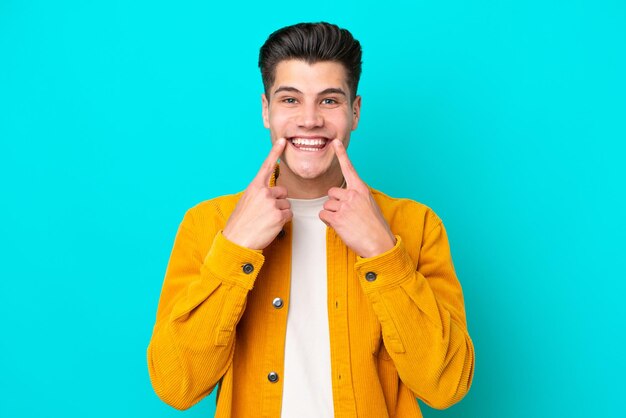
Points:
(309, 105)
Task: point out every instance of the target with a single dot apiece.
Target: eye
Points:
(329, 101)
(289, 100)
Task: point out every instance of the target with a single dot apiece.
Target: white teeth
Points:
(309, 142)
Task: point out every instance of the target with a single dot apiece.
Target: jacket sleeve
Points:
(202, 299)
(422, 316)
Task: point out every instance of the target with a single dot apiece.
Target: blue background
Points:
(507, 118)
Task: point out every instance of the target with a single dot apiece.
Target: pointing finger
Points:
(349, 173)
(265, 173)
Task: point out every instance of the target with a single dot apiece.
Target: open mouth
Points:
(309, 144)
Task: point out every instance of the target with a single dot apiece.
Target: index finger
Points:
(349, 173)
(267, 168)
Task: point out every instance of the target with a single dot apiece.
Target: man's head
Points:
(311, 42)
(310, 74)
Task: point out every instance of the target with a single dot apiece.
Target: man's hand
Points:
(353, 213)
(262, 210)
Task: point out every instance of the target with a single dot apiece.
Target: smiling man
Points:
(310, 294)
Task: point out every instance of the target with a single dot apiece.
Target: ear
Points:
(265, 111)
(356, 112)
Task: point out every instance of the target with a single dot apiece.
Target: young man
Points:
(310, 294)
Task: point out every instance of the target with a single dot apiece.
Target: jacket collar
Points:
(274, 175)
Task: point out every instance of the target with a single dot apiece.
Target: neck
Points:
(301, 188)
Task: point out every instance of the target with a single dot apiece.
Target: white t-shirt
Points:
(307, 386)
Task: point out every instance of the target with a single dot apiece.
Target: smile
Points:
(309, 144)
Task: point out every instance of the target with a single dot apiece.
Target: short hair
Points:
(311, 42)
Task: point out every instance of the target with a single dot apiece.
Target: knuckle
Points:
(277, 216)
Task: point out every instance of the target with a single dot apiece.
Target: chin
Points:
(308, 170)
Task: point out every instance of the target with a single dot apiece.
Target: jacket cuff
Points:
(388, 269)
(232, 263)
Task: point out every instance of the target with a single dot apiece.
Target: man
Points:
(310, 294)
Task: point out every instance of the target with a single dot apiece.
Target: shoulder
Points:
(205, 219)
(406, 212)
(215, 210)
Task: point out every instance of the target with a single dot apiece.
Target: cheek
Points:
(279, 122)
(341, 122)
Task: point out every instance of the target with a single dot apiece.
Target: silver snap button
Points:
(272, 377)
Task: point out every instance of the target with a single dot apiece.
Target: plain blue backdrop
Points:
(506, 117)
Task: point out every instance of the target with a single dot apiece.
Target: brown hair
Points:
(311, 42)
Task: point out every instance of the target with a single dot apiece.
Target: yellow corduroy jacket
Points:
(396, 333)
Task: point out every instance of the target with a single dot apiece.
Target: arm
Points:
(202, 300)
(205, 292)
(422, 317)
(420, 307)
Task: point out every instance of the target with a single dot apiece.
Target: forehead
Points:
(310, 77)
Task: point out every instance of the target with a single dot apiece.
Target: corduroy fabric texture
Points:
(401, 336)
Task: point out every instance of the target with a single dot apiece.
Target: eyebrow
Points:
(330, 90)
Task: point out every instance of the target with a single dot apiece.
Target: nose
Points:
(310, 117)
